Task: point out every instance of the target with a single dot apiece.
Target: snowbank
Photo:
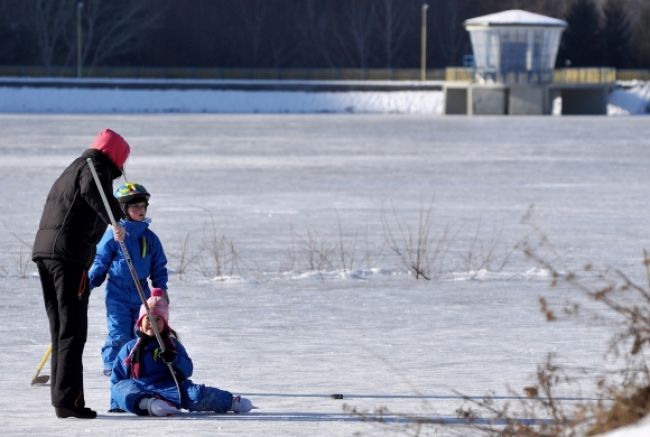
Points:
(159, 97)
(629, 99)
(633, 98)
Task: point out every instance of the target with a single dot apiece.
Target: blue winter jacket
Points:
(147, 256)
(154, 373)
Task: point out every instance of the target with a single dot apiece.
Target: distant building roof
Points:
(514, 17)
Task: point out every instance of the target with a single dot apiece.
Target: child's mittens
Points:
(241, 405)
(158, 407)
(168, 356)
(95, 281)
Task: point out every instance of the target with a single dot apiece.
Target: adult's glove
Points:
(168, 356)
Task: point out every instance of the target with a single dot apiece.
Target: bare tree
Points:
(111, 28)
(248, 29)
(47, 21)
(354, 32)
(282, 45)
(641, 36)
(450, 39)
(312, 30)
(395, 21)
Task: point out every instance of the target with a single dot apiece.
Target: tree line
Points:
(299, 33)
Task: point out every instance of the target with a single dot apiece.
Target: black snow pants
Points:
(65, 292)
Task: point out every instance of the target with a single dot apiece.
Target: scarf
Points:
(134, 359)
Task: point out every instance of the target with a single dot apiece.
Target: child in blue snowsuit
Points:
(148, 258)
(141, 382)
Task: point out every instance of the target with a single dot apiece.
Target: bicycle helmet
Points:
(131, 192)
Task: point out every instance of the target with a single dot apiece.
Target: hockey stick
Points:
(134, 275)
(42, 379)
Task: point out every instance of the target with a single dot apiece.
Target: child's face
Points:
(145, 326)
(137, 211)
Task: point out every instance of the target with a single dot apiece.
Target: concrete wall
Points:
(456, 100)
(584, 101)
(477, 99)
(528, 100)
(490, 100)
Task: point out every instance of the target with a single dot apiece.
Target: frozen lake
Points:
(309, 299)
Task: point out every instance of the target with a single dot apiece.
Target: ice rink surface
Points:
(284, 284)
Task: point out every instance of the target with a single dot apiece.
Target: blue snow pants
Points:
(195, 397)
(121, 317)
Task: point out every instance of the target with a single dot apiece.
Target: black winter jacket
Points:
(74, 218)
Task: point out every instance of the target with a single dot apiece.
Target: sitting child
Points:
(141, 382)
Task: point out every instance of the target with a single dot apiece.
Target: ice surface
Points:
(280, 188)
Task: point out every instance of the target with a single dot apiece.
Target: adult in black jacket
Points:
(73, 221)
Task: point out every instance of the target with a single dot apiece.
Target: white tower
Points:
(514, 46)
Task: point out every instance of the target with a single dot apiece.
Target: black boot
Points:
(78, 412)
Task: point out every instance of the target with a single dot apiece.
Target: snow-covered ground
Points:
(632, 99)
(185, 96)
(318, 303)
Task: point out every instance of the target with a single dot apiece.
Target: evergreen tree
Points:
(582, 41)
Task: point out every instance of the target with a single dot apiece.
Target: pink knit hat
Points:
(158, 306)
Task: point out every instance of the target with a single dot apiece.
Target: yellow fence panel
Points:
(454, 74)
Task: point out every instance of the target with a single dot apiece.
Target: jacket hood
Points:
(98, 156)
(113, 145)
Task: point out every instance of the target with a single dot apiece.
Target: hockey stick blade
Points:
(40, 380)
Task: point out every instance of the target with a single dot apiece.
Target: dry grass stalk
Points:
(217, 256)
(421, 253)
